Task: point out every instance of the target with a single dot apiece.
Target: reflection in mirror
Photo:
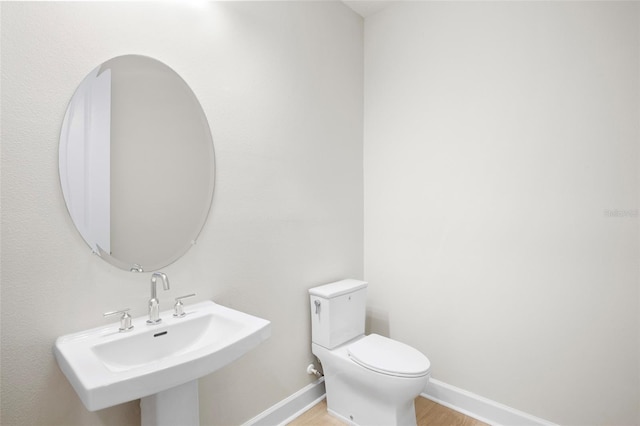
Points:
(136, 163)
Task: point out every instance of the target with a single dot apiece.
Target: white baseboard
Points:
(457, 399)
(291, 407)
(478, 407)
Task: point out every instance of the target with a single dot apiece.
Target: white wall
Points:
(281, 84)
(499, 139)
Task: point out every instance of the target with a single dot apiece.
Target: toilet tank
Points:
(338, 312)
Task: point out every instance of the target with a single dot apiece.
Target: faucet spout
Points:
(154, 303)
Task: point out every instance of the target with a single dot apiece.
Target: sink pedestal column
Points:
(175, 406)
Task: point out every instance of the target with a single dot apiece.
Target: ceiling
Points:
(366, 8)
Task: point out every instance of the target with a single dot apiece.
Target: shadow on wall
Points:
(377, 322)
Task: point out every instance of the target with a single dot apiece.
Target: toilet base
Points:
(357, 413)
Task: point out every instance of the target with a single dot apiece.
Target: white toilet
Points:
(370, 380)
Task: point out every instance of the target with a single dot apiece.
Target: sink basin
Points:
(106, 367)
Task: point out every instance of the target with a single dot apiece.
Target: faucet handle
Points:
(178, 308)
(125, 319)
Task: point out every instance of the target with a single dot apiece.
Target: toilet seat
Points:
(388, 356)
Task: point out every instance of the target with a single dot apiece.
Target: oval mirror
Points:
(136, 163)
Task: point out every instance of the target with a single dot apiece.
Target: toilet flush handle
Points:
(317, 303)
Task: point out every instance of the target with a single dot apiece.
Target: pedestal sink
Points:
(160, 364)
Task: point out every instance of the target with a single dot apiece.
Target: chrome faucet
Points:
(154, 303)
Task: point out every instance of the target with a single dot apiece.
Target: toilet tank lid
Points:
(337, 288)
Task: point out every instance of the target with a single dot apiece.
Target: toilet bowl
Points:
(370, 380)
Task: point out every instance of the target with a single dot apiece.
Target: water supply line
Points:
(311, 369)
